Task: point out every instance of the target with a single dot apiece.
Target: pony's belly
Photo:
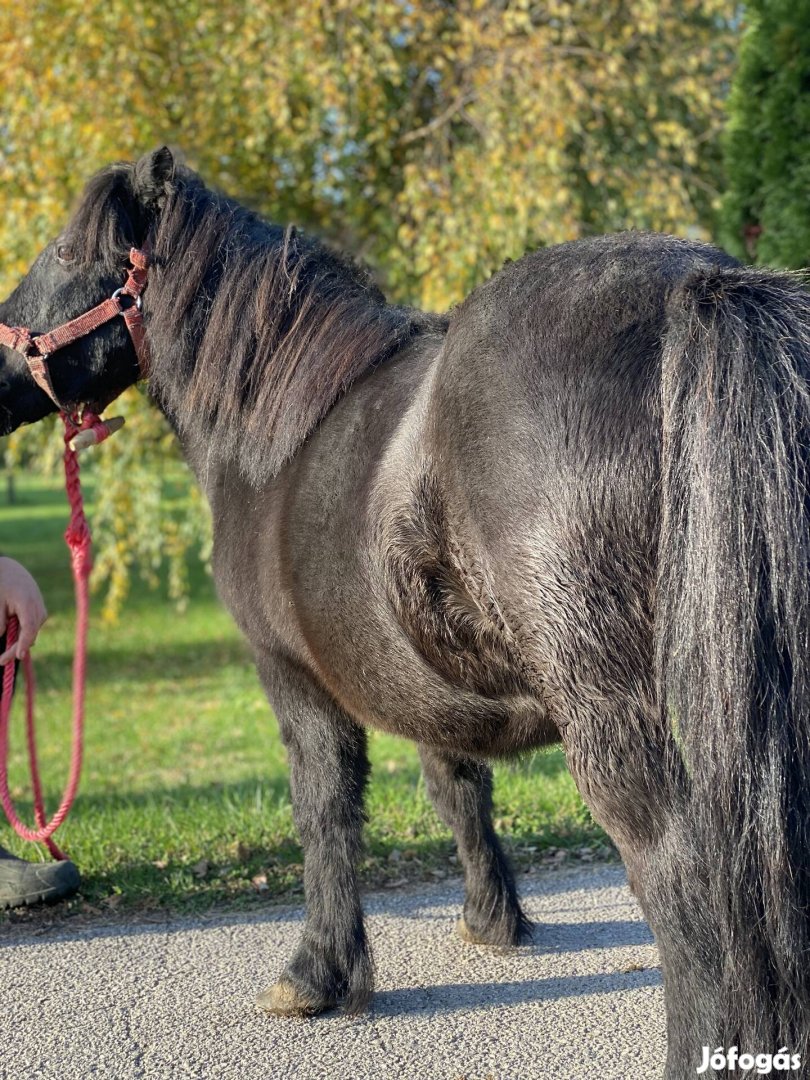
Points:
(466, 723)
(384, 682)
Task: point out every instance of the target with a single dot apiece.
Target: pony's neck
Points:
(256, 331)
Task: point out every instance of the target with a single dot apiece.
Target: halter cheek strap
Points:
(36, 350)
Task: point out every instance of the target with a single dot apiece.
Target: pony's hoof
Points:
(496, 937)
(284, 999)
(468, 935)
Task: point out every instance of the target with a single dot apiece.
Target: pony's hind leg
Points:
(460, 788)
(328, 770)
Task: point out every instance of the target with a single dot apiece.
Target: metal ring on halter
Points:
(138, 302)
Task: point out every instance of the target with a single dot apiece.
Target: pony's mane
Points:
(256, 331)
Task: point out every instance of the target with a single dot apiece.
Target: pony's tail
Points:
(733, 622)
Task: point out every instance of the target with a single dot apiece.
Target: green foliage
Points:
(766, 213)
(137, 527)
(434, 140)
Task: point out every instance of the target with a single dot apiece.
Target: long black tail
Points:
(733, 622)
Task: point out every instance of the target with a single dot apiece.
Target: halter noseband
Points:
(36, 350)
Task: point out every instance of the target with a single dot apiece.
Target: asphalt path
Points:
(168, 997)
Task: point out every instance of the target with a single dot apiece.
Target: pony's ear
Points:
(152, 174)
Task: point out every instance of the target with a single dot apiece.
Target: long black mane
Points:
(269, 326)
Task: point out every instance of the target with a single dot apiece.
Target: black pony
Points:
(575, 509)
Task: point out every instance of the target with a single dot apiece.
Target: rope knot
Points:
(80, 556)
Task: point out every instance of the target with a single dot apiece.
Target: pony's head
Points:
(77, 271)
(251, 328)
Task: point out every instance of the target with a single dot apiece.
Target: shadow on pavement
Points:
(499, 995)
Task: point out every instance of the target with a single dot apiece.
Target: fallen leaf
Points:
(259, 882)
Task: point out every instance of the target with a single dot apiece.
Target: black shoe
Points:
(23, 882)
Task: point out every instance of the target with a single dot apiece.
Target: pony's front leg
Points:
(328, 770)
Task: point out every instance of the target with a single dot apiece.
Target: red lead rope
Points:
(77, 536)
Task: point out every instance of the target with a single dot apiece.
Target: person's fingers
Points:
(30, 621)
(3, 619)
(8, 655)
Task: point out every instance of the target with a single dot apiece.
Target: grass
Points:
(184, 797)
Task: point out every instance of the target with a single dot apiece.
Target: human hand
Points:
(20, 596)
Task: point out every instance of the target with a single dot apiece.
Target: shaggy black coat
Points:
(576, 509)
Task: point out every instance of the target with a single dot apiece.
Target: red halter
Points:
(36, 350)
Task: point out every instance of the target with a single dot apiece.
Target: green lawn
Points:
(184, 796)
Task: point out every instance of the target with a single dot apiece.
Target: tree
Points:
(766, 213)
(433, 139)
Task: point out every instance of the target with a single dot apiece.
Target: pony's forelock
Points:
(106, 222)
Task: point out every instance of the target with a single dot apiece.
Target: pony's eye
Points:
(64, 254)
